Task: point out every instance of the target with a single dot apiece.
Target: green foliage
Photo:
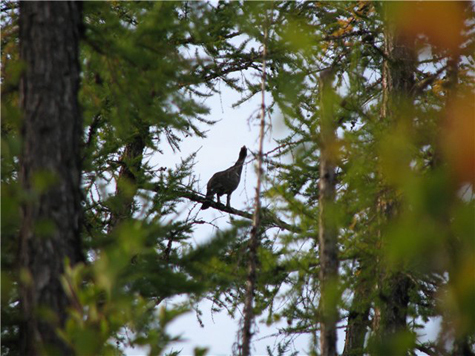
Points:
(404, 204)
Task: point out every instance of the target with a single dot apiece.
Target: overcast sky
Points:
(237, 126)
(218, 151)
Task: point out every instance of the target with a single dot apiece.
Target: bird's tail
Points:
(206, 204)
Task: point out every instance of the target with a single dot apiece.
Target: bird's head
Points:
(243, 153)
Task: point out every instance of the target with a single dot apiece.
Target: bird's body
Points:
(225, 182)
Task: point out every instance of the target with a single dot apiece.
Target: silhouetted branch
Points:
(268, 219)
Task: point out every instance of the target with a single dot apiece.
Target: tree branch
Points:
(268, 219)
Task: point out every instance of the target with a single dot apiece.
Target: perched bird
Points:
(225, 182)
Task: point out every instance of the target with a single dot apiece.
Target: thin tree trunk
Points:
(256, 222)
(127, 180)
(50, 170)
(327, 228)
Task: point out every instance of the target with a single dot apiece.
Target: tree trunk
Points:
(455, 245)
(127, 180)
(358, 319)
(398, 95)
(255, 236)
(327, 229)
(50, 171)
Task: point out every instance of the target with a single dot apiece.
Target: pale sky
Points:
(237, 127)
(217, 152)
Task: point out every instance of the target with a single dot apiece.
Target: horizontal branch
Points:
(268, 219)
(427, 350)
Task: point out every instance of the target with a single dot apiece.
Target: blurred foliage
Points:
(146, 66)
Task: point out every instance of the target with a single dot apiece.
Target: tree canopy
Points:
(364, 214)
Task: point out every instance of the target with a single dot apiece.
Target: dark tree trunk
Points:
(358, 318)
(50, 168)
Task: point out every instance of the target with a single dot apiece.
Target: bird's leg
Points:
(228, 201)
(219, 198)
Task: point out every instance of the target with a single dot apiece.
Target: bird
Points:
(225, 182)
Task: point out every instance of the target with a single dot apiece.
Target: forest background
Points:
(357, 216)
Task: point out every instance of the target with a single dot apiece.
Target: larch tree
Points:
(388, 117)
(365, 209)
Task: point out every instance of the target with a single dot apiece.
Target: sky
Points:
(236, 126)
(219, 150)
